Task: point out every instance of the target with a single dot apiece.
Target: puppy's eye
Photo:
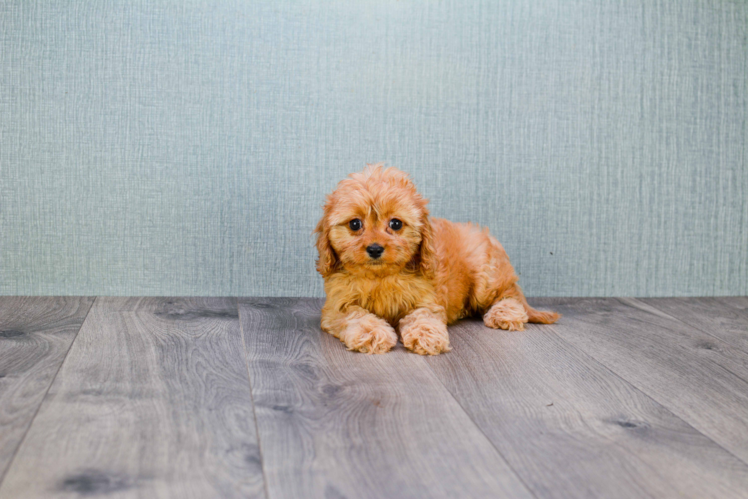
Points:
(355, 224)
(396, 224)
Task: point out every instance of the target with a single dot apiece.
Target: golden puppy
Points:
(388, 266)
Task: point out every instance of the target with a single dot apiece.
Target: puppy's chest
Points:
(391, 298)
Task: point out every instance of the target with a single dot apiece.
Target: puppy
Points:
(389, 267)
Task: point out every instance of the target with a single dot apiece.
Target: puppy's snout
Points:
(375, 250)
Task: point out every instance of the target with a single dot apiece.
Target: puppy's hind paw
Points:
(507, 314)
(370, 335)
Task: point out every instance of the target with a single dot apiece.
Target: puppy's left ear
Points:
(427, 255)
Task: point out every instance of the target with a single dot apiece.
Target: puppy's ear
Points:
(328, 260)
(427, 254)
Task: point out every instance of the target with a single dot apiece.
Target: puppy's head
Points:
(376, 222)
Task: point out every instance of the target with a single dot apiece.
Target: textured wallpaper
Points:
(185, 147)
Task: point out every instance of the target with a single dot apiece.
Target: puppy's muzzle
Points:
(375, 250)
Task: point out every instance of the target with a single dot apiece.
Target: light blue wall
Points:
(154, 147)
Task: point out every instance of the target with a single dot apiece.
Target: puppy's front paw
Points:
(507, 314)
(426, 336)
(370, 334)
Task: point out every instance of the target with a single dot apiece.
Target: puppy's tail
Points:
(544, 317)
(533, 315)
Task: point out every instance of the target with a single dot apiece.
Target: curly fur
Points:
(432, 272)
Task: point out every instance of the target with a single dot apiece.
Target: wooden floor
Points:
(225, 397)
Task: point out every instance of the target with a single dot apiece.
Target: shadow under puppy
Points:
(388, 266)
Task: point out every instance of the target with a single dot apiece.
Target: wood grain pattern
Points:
(569, 427)
(700, 378)
(35, 335)
(622, 397)
(740, 303)
(725, 318)
(338, 424)
(152, 401)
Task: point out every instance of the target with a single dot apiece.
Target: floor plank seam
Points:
(678, 320)
(508, 464)
(646, 393)
(52, 381)
(252, 398)
(719, 339)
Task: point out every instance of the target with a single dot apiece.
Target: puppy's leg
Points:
(360, 330)
(424, 331)
(507, 314)
(496, 293)
(511, 311)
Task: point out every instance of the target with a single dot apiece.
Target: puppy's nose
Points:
(375, 250)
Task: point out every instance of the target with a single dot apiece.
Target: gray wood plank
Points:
(740, 303)
(153, 400)
(700, 378)
(723, 317)
(334, 423)
(35, 335)
(569, 427)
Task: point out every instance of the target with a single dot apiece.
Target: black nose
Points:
(374, 250)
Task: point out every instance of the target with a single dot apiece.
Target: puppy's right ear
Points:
(427, 256)
(327, 261)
